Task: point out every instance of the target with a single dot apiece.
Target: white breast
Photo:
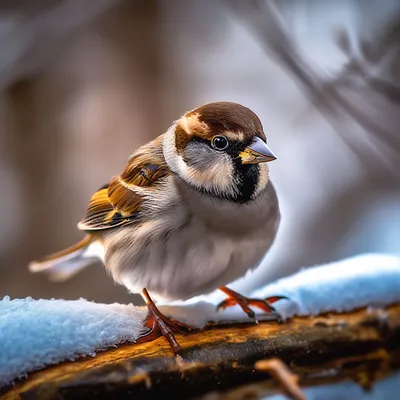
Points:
(188, 246)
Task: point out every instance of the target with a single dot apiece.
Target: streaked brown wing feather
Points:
(100, 213)
(124, 199)
(119, 202)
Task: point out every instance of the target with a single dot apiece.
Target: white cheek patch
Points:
(262, 179)
(217, 178)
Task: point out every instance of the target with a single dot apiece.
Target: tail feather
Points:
(66, 263)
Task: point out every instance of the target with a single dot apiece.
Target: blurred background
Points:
(84, 83)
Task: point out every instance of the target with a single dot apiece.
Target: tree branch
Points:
(363, 345)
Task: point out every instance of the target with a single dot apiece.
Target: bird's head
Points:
(220, 149)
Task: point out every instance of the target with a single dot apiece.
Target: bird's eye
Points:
(219, 143)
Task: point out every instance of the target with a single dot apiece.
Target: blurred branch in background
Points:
(371, 69)
(73, 94)
(85, 83)
(359, 96)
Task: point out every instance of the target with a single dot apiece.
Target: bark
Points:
(363, 346)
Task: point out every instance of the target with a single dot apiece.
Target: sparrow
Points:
(193, 210)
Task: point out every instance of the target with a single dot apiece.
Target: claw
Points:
(160, 324)
(245, 303)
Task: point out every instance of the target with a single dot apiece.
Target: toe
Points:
(228, 302)
(274, 299)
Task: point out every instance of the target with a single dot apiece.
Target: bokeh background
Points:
(84, 83)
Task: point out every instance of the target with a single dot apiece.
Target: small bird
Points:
(193, 210)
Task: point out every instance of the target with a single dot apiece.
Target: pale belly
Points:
(189, 259)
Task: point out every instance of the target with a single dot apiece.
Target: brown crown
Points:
(218, 118)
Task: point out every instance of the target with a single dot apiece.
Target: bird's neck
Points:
(244, 183)
(225, 213)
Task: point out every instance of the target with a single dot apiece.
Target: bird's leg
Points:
(245, 303)
(166, 326)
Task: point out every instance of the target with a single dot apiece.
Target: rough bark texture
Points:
(363, 346)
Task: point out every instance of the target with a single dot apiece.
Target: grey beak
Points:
(257, 152)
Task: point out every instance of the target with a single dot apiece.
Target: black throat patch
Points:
(248, 176)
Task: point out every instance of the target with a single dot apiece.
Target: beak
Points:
(257, 152)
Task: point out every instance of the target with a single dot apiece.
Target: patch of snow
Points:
(36, 333)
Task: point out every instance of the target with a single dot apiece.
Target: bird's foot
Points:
(245, 303)
(160, 324)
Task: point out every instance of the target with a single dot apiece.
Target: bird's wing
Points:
(119, 202)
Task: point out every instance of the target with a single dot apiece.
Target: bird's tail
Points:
(64, 264)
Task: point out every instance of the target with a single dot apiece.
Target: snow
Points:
(36, 333)
(352, 283)
(345, 285)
